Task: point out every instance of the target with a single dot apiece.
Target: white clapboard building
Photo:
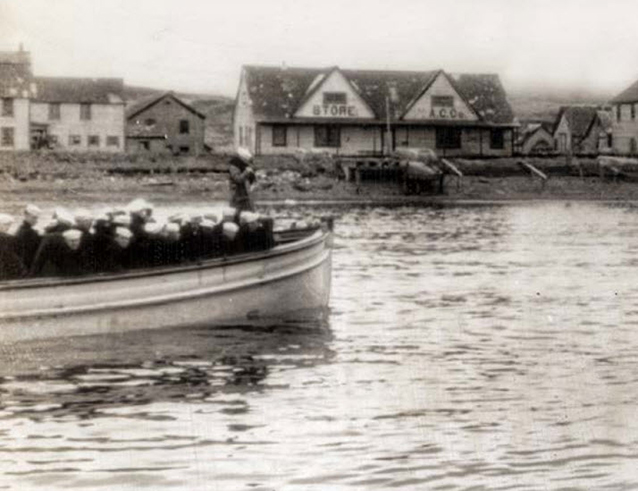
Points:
(280, 110)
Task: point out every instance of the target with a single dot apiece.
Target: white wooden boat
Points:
(293, 276)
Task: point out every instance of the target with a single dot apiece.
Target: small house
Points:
(582, 130)
(535, 138)
(624, 122)
(165, 124)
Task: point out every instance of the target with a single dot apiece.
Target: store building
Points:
(280, 110)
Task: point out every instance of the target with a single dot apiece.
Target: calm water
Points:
(477, 347)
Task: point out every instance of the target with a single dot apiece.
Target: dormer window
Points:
(334, 98)
(443, 101)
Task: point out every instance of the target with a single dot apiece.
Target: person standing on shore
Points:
(241, 177)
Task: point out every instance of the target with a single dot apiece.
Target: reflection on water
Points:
(476, 347)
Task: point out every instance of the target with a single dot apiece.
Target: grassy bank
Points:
(81, 179)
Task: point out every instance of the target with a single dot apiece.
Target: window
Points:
(442, 100)
(633, 112)
(75, 140)
(184, 127)
(54, 110)
(610, 140)
(618, 112)
(149, 122)
(145, 145)
(85, 112)
(7, 107)
(334, 98)
(327, 136)
(184, 150)
(112, 141)
(279, 136)
(497, 140)
(448, 138)
(94, 141)
(7, 138)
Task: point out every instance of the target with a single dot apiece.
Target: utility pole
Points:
(388, 147)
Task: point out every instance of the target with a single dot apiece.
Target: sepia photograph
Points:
(295, 245)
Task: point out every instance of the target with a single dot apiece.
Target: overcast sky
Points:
(200, 45)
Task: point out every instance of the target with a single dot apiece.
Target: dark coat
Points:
(56, 258)
(11, 265)
(115, 258)
(27, 241)
(241, 176)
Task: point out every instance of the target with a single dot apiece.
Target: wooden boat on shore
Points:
(293, 276)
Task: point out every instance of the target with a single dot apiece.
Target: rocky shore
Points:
(51, 179)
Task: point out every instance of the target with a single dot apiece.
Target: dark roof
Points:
(92, 90)
(15, 74)
(529, 129)
(147, 102)
(630, 94)
(276, 93)
(487, 96)
(579, 119)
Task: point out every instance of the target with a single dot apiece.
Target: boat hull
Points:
(250, 288)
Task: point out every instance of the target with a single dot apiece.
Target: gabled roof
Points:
(630, 94)
(487, 96)
(318, 82)
(530, 128)
(15, 74)
(276, 93)
(147, 102)
(79, 90)
(579, 119)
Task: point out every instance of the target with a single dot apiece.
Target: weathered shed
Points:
(165, 124)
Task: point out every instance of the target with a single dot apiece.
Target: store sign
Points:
(334, 111)
(446, 113)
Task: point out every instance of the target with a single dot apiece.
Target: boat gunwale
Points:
(160, 300)
(317, 236)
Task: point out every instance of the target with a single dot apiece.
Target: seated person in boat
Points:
(141, 212)
(117, 254)
(61, 222)
(253, 232)
(11, 266)
(88, 242)
(27, 239)
(59, 254)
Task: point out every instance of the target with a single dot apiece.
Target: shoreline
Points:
(51, 180)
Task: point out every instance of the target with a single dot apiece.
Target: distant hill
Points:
(543, 105)
(217, 108)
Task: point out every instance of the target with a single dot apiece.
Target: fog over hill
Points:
(531, 104)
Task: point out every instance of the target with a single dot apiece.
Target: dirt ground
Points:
(72, 181)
